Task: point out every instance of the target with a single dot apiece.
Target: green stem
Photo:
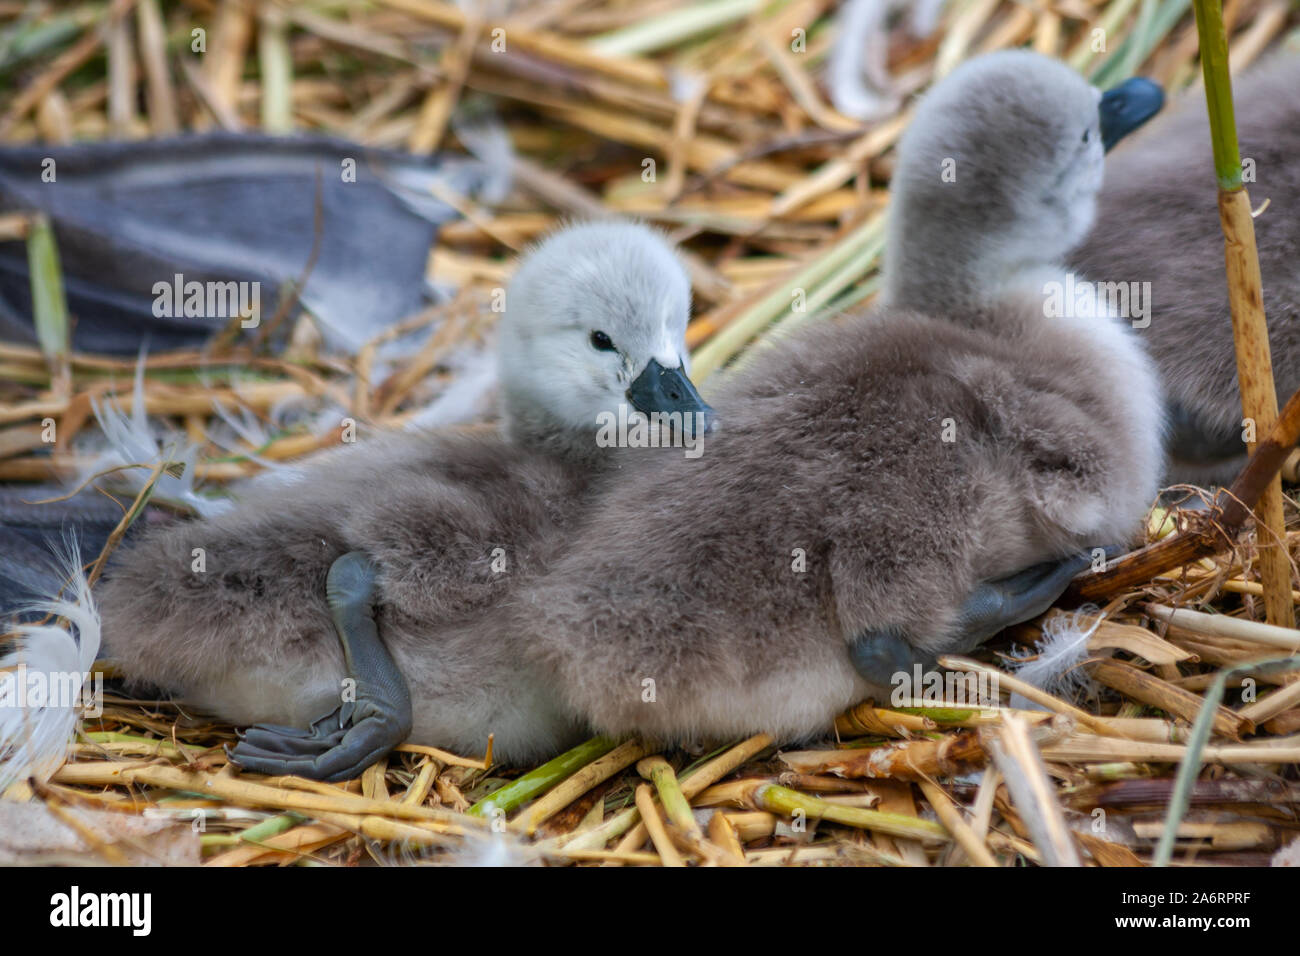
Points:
(536, 782)
(214, 841)
(1218, 93)
(784, 801)
(1149, 33)
(270, 827)
(941, 715)
(117, 737)
(49, 307)
(276, 65)
(662, 30)
(674, 802)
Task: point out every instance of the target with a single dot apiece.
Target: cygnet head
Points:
(595, 317)
(998, 173)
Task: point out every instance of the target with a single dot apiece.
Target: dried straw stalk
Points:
(1245, 295)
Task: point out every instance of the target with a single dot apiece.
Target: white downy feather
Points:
(857, 79)
(855, 69)
(476, 848)
(244, 426)
(488, 139)
(497, 848)
(1063, 648)
(35, 732)
(1288, 855)
(131, 441)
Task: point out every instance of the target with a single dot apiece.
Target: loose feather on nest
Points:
(132, 448)
(52, 663)
(1057, 668)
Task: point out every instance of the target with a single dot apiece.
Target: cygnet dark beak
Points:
(667, 390)
(1126, 107)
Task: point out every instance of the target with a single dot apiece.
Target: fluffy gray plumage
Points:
(833, 445)
(683, 584)
(1157, 222)
(711, 597)
(250, 636)
(996, 181)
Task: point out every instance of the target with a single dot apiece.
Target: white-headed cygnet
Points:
(1158, 243)
(231, 613)
(887, 487)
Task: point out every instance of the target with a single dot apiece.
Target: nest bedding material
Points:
(712, 120)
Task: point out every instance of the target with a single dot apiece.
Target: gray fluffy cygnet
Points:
(595, 316)
(873, 473)
(1158, 234)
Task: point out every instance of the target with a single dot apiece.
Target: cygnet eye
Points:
(601, 342)
(1086, 135)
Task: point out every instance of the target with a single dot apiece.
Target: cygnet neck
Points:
(529, 426)
(932, 268)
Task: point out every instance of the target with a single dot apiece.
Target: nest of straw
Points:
(769, 190)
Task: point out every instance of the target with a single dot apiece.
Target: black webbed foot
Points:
(878, 655)
(276, 740)
(343, 743)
